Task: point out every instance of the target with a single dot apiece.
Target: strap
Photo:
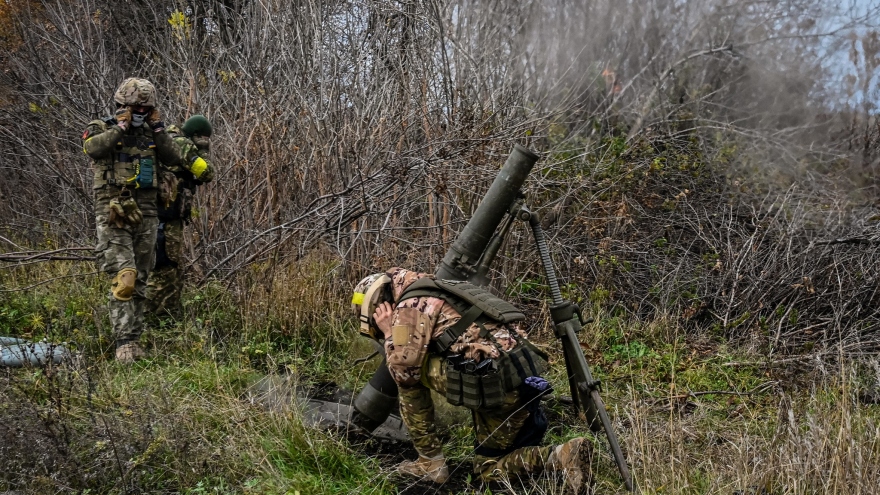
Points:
(519, 368)
(528, 356)
(447, 338)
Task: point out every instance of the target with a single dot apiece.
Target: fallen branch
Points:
(44, 282)
(46, 255)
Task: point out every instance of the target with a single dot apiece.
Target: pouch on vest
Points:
(167, 194)
(492, 387)
(453, 386)
(471, 392)
(520, 363)
(145, 174)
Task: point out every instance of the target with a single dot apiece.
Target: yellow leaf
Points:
(177, 19)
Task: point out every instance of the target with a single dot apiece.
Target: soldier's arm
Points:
(167, 150)
(195, 160)
(203, 166)
(99, 139)
(407, 348)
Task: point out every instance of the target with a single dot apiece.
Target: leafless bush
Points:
(372, 129)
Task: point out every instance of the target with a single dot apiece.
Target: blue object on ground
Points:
(15, 352)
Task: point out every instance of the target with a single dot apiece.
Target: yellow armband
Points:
(199, 166)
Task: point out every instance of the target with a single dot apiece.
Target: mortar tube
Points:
(460, 262)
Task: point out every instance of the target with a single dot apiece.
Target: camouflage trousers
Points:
(165, 284)
(126, 247)
(493, 428)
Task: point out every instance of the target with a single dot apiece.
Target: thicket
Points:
(696, 158)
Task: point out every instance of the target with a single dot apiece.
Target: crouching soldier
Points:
(464, 343)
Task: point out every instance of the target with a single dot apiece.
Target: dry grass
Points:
(178, 423)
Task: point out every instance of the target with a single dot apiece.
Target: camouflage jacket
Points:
(195, 160)
(425, 319)
(117, 156)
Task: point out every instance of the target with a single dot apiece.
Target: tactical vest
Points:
(133, 162)
(479, 385)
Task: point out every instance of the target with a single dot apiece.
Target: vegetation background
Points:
(707, 184)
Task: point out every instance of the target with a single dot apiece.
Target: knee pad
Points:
(123, 284)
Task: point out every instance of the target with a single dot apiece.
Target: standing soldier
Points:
(178, 184)
(126, 149)
(464, 343)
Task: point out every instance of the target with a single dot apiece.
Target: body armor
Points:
(133, 162)
(481, 385)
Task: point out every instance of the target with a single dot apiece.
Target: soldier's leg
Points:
(417, 412)
(115, 256)
(165, 284)
(495, 431)
(144, 247)
(572, 458)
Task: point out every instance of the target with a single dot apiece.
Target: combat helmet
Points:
(136, 92)
(197, 125)
(368, 294)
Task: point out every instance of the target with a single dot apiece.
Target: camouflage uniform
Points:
(118, 158)
(165, 284)
(495, 429)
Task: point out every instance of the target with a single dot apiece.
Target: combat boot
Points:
(433, 469)
(129, 353)
(573, 459)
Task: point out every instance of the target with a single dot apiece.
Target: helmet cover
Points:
(136, 92)
(368, 294)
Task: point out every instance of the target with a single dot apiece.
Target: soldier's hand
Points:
(203, 143)
(115, 214)
(133, 214)
(135, 217)
(383, 316)
(154, 120)
(123, 117)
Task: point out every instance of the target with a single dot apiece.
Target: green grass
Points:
(180, 421)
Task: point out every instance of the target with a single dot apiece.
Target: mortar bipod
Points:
(567, 322)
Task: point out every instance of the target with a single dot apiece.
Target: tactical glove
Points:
(123, 117)
(115, 214)
(154, 120)
(203, 143)
(133, 214)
